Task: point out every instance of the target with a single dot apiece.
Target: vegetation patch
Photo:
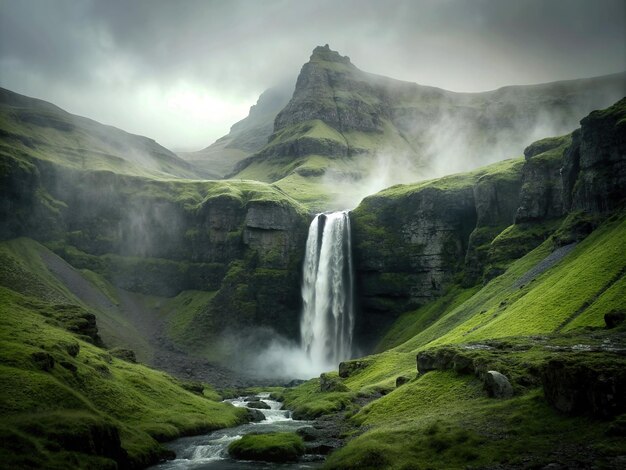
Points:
(270, 447)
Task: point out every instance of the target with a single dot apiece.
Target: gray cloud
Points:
(182, 72)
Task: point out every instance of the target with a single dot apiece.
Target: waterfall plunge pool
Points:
(210, 451)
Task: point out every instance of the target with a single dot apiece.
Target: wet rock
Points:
(255, 416)
(402, 380)
(309, 433)
(258, 405)
(497, 385)
(43, 360)
(614, 318)
(331, 384)
(323, 446)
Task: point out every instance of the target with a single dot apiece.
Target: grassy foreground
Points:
(70, 402)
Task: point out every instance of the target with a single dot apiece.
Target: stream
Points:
(210, 451)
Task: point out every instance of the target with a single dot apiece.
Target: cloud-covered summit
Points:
(183, 72)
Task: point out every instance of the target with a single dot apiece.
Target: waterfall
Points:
(327, 320)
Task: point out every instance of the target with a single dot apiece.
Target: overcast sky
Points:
(183, 72)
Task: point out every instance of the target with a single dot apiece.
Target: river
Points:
(210, 451)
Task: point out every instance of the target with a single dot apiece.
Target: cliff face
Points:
(340, 119)
(164, 237)
(413, 241)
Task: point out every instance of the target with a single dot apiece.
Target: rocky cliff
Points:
(242, 242)
(413, 241)
(341, 121)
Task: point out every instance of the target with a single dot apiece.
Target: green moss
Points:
(270, 447)
(307, 402)
(143, 405)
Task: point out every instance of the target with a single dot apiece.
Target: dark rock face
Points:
(137, 234)
(315, 97)
(410, 241)
(497, 385)
(406, 249)
(585, 388)
(601, 160)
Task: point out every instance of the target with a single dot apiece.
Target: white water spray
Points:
(327, 320)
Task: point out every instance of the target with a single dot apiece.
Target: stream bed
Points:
(210, 451)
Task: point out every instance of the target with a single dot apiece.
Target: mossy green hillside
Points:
(35, 129)
(57, 389)
(540, 308)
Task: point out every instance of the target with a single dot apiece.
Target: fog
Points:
(182, 73)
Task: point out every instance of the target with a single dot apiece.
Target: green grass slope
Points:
(545, 307)
(34, 129)
(70, 401)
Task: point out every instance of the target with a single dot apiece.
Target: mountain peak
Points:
(326, 54)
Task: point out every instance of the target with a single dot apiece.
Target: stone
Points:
(255, 416)
(347, 368)
(403, 379)
(258, 405)
(614, 318)
(497, 385)
(331, 384)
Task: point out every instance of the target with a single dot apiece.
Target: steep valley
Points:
(489, 305)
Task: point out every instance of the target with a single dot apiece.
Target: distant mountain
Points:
(35, 129)
(345, 127)
(245, 137)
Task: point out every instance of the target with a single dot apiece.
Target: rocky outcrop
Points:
(601, 160)
(347, 368)
(497, 385)
(585, 387)
(317, 95)
(329, 383)
(411, 241)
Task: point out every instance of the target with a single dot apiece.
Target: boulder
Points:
(258, 405)
(402, 380)
(331, 384)
(443, 359)
(577, 387)
(347, 368)
(614, 319)
(497, 385)
(255, 416)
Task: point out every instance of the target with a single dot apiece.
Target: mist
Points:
(182, 74)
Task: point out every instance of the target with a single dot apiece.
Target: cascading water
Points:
(327, 319)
